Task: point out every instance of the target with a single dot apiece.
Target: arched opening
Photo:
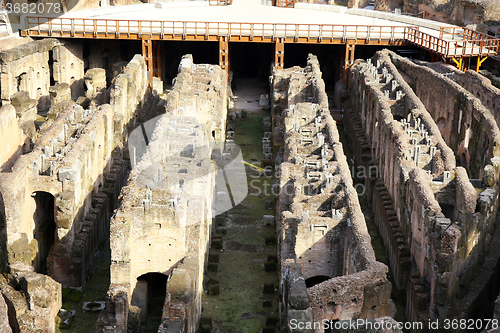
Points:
(45, 228)
(442, 124)
(463, 161)
(314, 280)
(149, 295)
(448, 211)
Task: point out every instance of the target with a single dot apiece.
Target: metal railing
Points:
(452, 41)
(220, 2)
(285, 3)
(87, 28)
(455, 42)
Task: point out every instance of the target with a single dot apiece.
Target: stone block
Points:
(95, 81)
(270, 266)
(70, 174)
(41, 298)
(180, 285)
(271, 240)
(298, 297)
(22, 102)
(58, 108)
(268, 220)
(134, 319)
(66, 318)
(302, 316)
(213, 289)
(268, 288)
(217, 244)
(31, 281)
(58, 93)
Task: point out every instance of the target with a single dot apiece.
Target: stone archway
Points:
(317, 279)
(45, 228)
(149, 295)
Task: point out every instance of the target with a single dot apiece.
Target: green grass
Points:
(241, 274)
(95, 290)
(249, 136)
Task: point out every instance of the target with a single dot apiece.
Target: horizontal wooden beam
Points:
(209, 38)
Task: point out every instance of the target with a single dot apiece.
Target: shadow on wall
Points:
(326, 256)
(149, 295)
(45, 228)
(70, 262)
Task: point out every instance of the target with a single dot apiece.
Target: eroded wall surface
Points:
(411, 123)
(328, 267)
(163, 223)
(60, 186)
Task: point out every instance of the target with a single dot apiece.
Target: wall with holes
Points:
(26, 68)
(11, 136)
(423, 204)
(77, 159)
(328, 267)
(35, 66)
(164, 220)
(468, 127)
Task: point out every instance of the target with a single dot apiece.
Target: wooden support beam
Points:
(279, 53)
(156, 59)
(147, 53)
(480, 62)
(349, 57)
(458, 62)
(224, 54)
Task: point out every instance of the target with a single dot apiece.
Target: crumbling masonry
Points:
(328, 267)
(61, 173)
(435, 151)
(164, 221)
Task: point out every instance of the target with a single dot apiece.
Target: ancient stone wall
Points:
(328, 267)
(127, 95)
(26, 68)
(77, 161)
(467, 126)
(475, 83)
(164, 220)
(35, 66)
(11, 136)
(31, 301)
(458, 12)
(422, 202)
(68, 67)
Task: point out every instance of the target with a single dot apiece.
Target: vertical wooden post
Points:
(279, 53)
(147, 53)
(156, 59)
(224, 54)
(349, 57)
